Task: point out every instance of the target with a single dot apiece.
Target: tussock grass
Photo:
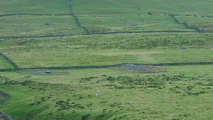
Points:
(4, 63)
(35, 7)
(109, 94)
(109, 49)
(169, 93)
(137, 15)
(203, 23)
(38, 26)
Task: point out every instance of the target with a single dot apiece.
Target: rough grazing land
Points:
(106, 59)
(3, 99)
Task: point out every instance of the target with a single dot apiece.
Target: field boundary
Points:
(6, 97)
(46, 36)
(88, 33)
(9, 61)
(151, 31)
(173, 16)
(194, 29)
(19, 14)
(187, 15)
(184, 23)
(104, 66)
(2, 114)
(102, 33)
(30, 14)
(5, 116)
(76, 18)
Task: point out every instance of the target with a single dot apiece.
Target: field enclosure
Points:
(109, 94)
(38, 25)
(34, 7)
(63, 18)
(109, 49)
(203, 23)
(4, 63)
(106, 59)
(37, 18)
(136, 15)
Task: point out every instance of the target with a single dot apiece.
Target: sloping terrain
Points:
(37, 18)
(106, 59)
(136, 15)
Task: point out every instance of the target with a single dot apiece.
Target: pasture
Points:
(177, 93)
(136, 15)
(4, 63)
(109, 49)
(34, 7)
(118, 38)
(41, 25)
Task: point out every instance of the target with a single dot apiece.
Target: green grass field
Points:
(38, 26)
(177, 93)
(1, 97)
(4, 64)
(119, 15)
(109, 49)
(35, 7)
(130, 23)
(109, 7)
(99, 17)
(202, 23)
(182, 92)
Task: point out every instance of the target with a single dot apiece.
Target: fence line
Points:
(9, 60)
(104, 66)
(5, 99)
(5, 116)
(103, 33)
(76, 19)
(184, 23)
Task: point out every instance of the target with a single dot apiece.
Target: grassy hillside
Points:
(106, 7)
(26, 25)
(138, 31)
(4, 63)
(174, 92)
(37, 18)
(34, 7)
(203, 23)
(111, 94)
(109, 49)
(136, 15)
(49, 18)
